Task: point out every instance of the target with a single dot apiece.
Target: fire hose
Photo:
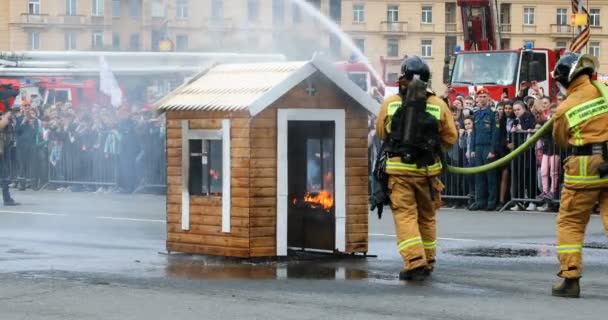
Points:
(519, 150)
(506, 159)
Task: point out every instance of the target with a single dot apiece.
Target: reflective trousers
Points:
(574, 212)
(414, 215)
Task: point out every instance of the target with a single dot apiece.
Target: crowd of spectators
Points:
(84, 148)
(534, 176)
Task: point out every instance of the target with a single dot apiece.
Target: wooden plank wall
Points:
(205, 235)
(263, 165)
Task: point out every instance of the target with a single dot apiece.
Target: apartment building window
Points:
(296, 14)
(217, 9)
(253, 10)
(98, 8)
(529, 16)
(34, 7)
(392, 48)
(70, 7)
(594, 48)
(98, 40)
(450, 46)
(115, 8)
(427, 48)
(450, 12)
(505, 13)
(115, 40)
(427, 14)
(335, 45)
(392, 13)
(561, 17)
(335, 10)
(278, 12)
(358, 13)
(561, 44)
(34, 40)
(182, 9)
(360, 43)
(134, 42)
(158, 9)
(181, 42)
(135, 8)
(70, 40)
(594, 17)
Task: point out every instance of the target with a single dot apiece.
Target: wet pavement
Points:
(102, 249)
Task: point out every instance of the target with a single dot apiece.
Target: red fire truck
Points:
(483, 64)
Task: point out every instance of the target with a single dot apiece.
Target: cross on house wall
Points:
(310, 90)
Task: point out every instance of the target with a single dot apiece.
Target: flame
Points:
(325, 199)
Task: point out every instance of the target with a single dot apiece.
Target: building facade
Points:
(385, 30)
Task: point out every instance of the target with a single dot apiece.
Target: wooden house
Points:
(267, 156)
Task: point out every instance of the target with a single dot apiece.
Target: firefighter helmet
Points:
(415, 65)
(571, 65)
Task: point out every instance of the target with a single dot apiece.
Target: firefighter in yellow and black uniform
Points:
(581, 124)
(413, 170)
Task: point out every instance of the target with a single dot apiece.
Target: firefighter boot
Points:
(416, 274)
(568, 288)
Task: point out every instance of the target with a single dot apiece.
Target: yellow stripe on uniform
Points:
(569, 248)
(595, 179)
(429, 244)
(398, 165)
(434, 110)
(409, 243)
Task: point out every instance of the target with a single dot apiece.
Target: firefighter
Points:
(413, 164)
(580, 123)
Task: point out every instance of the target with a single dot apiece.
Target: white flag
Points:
(108, 83)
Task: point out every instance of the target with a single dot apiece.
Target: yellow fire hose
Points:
(503, 161)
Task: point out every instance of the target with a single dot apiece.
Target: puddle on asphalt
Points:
(303, 267)
(489, 252)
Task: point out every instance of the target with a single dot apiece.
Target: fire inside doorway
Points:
(311, 216)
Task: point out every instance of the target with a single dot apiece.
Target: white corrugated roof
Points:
(254, 86)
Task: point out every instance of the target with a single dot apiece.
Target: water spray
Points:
(335, 29)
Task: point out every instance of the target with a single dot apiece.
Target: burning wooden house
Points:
(267, 156)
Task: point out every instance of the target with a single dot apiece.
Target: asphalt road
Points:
(101, 256)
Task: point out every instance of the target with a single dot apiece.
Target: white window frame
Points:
(158, 9)
(71, 7)
(595, 17)
(116, 13)
(70, 40)
(182, 9)
(96, 38)
(561, 16)
(426, 15)
(426, 48)
(253, 10)
(595, 48)
(217, 9)
(338, 116)
(392, 13)
(97, 8)
(561, 44)
(34, 39)
(529, 16)
(358, 13)
(392, 43)
(33, 7)
(224, 135)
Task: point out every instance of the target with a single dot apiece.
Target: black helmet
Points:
(415, 65)
(571, 65)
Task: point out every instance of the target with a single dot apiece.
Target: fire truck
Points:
(483, 63)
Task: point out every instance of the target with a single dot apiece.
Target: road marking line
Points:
(393, 236)
(129, 219)
(34, 213)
